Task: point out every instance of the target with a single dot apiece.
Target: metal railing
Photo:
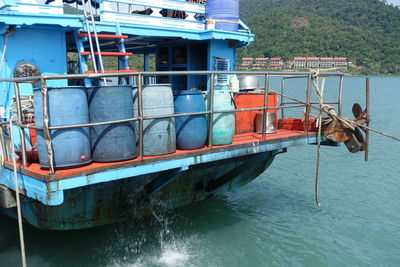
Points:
(166, 13)
(46, 128)
(34, 6)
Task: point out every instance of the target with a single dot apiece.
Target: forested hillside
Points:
(365, 31)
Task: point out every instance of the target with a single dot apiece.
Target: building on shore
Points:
(247, 62)
(340, 62)
(312, 62)
(299, 62)
(276, 62)
(288, 64)
(296, 63)
(260, 62)
(326, 62)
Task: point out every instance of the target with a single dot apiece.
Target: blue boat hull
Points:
(131, 198)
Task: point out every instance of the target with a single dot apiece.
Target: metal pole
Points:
(2, 148)
(367, 92)
(308, 100)
(146, 65)
(19, 214)
(282, 98)
(340, 96)
(89, 37)
(46, 131)
(19, 116)
(140, 112)
(211, 109)
(265, 111)
(96, 38)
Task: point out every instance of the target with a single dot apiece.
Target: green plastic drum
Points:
(223, 123)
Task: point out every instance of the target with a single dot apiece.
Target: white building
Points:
(312, 62)
(300, 62)
(276, 62)
(340, 62)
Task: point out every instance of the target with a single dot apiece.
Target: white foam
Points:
(174, 253)
(174, 256)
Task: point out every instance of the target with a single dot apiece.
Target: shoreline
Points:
(346, 72)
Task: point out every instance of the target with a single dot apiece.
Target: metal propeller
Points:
(357, 140)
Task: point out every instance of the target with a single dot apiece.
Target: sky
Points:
(395, 2)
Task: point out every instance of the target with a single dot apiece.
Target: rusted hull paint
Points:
(134, 197)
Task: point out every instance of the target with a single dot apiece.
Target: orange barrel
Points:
(245, 120)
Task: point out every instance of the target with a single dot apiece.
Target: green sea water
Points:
(272, 221)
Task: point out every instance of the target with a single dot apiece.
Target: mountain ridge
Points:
(367, 32)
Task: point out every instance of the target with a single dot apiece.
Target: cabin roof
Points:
(139, 33)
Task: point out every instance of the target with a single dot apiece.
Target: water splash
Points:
(175, 254)
(157, 241)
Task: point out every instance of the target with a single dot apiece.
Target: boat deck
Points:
(240, 141)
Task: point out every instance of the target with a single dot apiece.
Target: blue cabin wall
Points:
(221, 48)
(43, 46)
(198, 61)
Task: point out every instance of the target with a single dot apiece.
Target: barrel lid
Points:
(153, 85)
(158, 85)
(62, 87)
(188, 92)
(112, 86)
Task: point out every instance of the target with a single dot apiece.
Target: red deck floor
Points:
(240, 140)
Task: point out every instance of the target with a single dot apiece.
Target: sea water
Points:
(272, 221)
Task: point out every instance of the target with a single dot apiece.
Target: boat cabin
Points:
(168, 35)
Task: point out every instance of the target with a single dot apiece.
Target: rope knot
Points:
(314, 74)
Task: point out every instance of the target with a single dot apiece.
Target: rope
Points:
(342, 119)
(330, 112)
(378, 132)
(2, 148)
(20, 228)
(3, 56)
(320, 94)
(221, 20)
(331, 116)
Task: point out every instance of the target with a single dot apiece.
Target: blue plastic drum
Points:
(223, 14)
(191, 131)
(159, 135)
(113, 142)
(67, 106)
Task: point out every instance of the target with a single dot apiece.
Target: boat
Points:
(79, 140)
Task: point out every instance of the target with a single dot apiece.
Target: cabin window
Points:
(221, 64)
